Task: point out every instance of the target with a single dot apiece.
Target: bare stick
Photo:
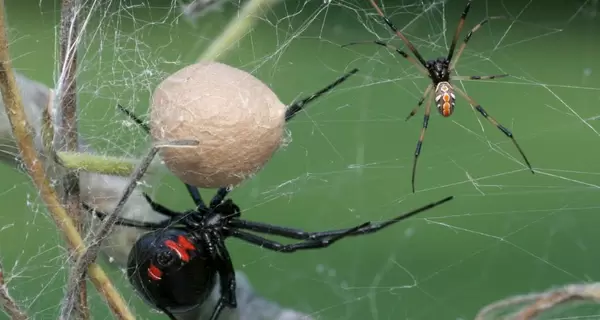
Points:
(7, 302)
(21, 129)
(67, 136)
(537, 303)
(78, 270)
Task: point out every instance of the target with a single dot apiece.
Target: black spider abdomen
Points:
(170, 271)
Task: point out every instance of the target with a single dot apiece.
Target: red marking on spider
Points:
(154, 273)
(182, 247)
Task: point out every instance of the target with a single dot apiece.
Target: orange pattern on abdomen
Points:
(444, 98)
(446, 105)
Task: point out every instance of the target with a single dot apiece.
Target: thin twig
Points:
(109, 165)
(236, 28)
(103, 231)
(11, 308)
(67, 136)
(22, 132)
(537, 303)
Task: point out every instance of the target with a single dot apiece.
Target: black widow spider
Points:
(174, 267)
(439, 71)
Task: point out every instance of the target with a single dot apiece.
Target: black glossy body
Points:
(173, 277)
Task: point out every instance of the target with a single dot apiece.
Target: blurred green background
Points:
(507, 231)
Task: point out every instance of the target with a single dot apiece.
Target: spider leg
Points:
(296, 107)
(414, 111)
(215, 253)
(134, 118)
(389, 46)
(492, 77)
(410, 46)
(218, 309)
(196, 197)
(298, 234)
(168, 313)
(468, 37)
(219, 196)
(493, 121)
(317, 243)
(228, 274)
(132, 223)
(421, 138)
(459, 27)
(160, 208)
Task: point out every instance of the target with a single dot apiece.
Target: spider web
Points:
(507, 231)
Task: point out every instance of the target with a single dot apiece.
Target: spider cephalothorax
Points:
(440, 72)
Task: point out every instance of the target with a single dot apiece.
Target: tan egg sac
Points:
(237, 119)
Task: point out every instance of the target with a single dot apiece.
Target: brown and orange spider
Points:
(439, 71)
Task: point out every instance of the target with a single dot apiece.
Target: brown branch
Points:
(22, 132)
(67, 136)
(7, 302)
(553, 298)
(537, 303)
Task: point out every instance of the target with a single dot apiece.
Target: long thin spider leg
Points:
(226, 275)
(289, 248)
(296, 107)
(132, 223)
(160, 208)
(193, 191)
(468, 37)
(298, 234)
(213, 250)
(493, 121)
(459, 28)
(196, 197)
(389, 46)
(492, 77)
(410, 46)
(169, 314)
(219, 196)
(414, 111)
(228, 283)
(421, 138)
(135, 118)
